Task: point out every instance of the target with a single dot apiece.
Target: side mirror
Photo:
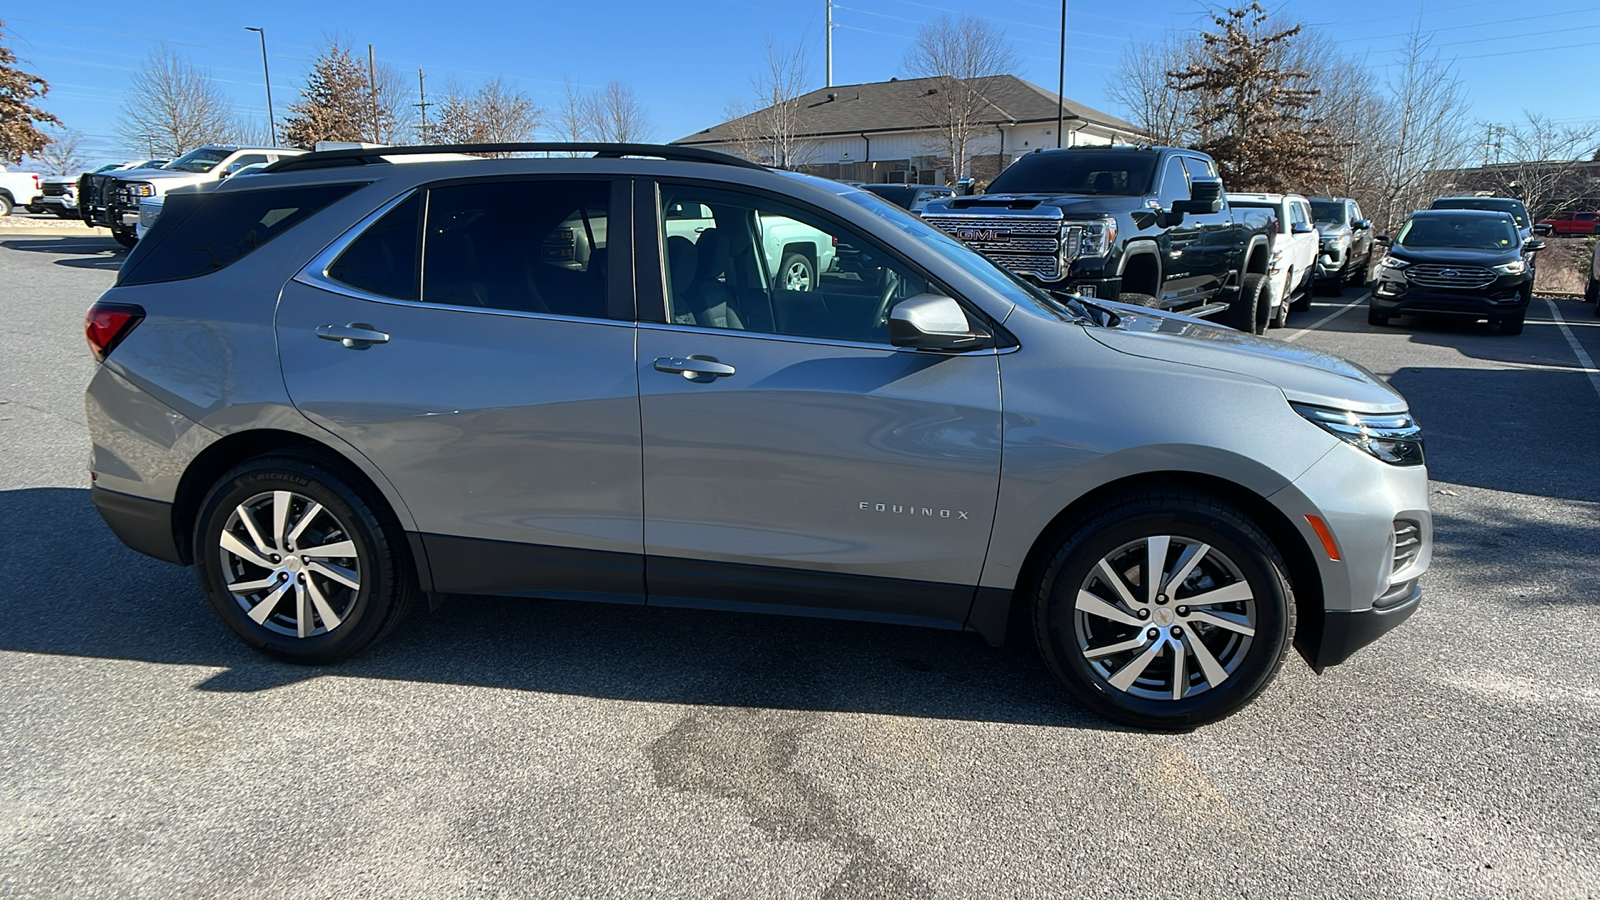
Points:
(966, 187)
(1532, 245)
(1361, 224)
(1205, 198)
(1543, 229)
(932, 322)
(1302, 228)
(1381, 239)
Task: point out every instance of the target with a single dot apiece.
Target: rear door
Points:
(476, 342)
(793, 458)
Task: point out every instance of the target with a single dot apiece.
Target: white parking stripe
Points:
(1577, 348)
(1326, 319)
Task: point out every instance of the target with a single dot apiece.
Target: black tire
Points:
(1302, 303)
(1139, 300)
(1512, 326)
(1376, 318)
(6, 205)
(382, 565)
(125, 238)
(1238, 552)
(796, 269)
(1242, 312)
(1356, 276)
(1593, 293)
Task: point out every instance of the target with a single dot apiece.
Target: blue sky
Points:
(687, 59)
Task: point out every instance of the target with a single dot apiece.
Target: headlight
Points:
(139, 189)
(1087, 237)
(1395, 438)
(1389, 262)
(1515, 267)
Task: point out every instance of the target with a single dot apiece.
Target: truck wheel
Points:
(1139, 300)
(1166, 609)
(1242, 312)
(1376, 318)
(125, 238)
(796, 273)
(5, 205)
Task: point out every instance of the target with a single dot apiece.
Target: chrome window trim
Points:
(315, 274)
(817, 342)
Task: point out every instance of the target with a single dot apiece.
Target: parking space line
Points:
(1577, 348)
(1326, 319)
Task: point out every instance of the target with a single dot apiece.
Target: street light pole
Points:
(1061, 76)
(266, 75)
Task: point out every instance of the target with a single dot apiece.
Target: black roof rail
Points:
(364, 156)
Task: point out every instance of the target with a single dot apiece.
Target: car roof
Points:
(1435, 213)
(1476, 199)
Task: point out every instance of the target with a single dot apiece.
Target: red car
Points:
(1575, 223)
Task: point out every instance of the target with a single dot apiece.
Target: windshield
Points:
(994, 276)
(1491, 233)
(1117, 173)
(1493, 204)
(1329, 212)
(203, 160)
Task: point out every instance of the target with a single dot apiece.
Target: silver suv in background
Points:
(344, 383)
(1345, 256)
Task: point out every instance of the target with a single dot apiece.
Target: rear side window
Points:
(225, 227)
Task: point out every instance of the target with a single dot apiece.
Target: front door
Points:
(1179, 279)
(490, 376)
(793, 458)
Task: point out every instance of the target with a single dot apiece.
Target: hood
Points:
(1449, 256)
(1071, 205)
(1303, 374)
(1328, 231)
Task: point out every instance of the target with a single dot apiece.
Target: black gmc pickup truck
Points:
(1144, 225)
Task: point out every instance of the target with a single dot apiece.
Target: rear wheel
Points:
(299, 563)
(5, 205)
(1244, 313)
(796, 273)
(1165, 609)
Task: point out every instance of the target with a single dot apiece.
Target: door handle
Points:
(355, 336)
(695, 368)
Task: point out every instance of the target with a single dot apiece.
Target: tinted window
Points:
(1328, 212)
(1199, 168)
(1174, 184)
(383, 260)
(527, 246)
(224, 227)
(1495, 204)
(202, 160)
(1463, 232)
(771, 268)
(1125, 173)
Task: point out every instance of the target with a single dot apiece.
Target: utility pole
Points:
(272, 128)
(423, 104)
(372, 92)
(829, 33)
(1061, 77)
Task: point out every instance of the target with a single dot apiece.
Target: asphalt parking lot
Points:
(506, 747)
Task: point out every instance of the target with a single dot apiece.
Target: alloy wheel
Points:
(290, 564)
(797, 277)
(1179, 631)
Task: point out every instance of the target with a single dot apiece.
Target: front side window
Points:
(1174, 183)
(523, 246)
(763, 266)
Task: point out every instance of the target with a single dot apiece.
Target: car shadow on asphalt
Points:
(1523, 431)
(74, 590)
(75, 252)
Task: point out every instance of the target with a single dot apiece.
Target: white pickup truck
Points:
(796, 254)
(17, 189)
(112, 200)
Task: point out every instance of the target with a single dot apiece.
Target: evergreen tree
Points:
(19, 117)
(1250, 106)
(336, 103)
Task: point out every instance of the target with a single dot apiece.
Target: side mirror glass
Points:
(1361, 224)
(1301, 228)
(1543, 229)
(1205, 198)
(1382, 239)
(933, 322)
(1533, 245)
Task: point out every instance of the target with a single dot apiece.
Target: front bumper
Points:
(1343, 633)
(1331, 262)
(1507, 295)
(51, 203)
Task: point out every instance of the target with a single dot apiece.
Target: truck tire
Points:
(126, 238)
(1242, 312)
(1376, 318)
(5, 204)
(1139, 300)
(796, 273)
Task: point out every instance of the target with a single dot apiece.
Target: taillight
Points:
(107, 324)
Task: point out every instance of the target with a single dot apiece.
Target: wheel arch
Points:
(1007, 614)
(1143, 260)
(1258, 257)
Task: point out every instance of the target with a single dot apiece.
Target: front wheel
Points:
(1148, 300)
(299, 563)
(1167, 609)
(6, 205)
(796, 273)
(1244, 312)
(1512, 326)
(125, 238)
(1376, 318)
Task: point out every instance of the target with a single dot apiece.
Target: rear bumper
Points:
(144, 525)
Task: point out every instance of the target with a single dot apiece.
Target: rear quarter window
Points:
(222, 228)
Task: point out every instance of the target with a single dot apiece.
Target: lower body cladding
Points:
(1505, 298)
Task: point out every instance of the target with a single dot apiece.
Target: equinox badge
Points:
(896, 509)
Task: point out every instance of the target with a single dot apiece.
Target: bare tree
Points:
(173, 107)
(572, 120)
(1142, 84)
(1545, 170)
(1423, 134)
(617, 115)
(19, 117)
(961, 57)
(397, 112)
(496, 112)
(767, 127)
(63, 155)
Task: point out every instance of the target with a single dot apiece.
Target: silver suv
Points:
(345, 384)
